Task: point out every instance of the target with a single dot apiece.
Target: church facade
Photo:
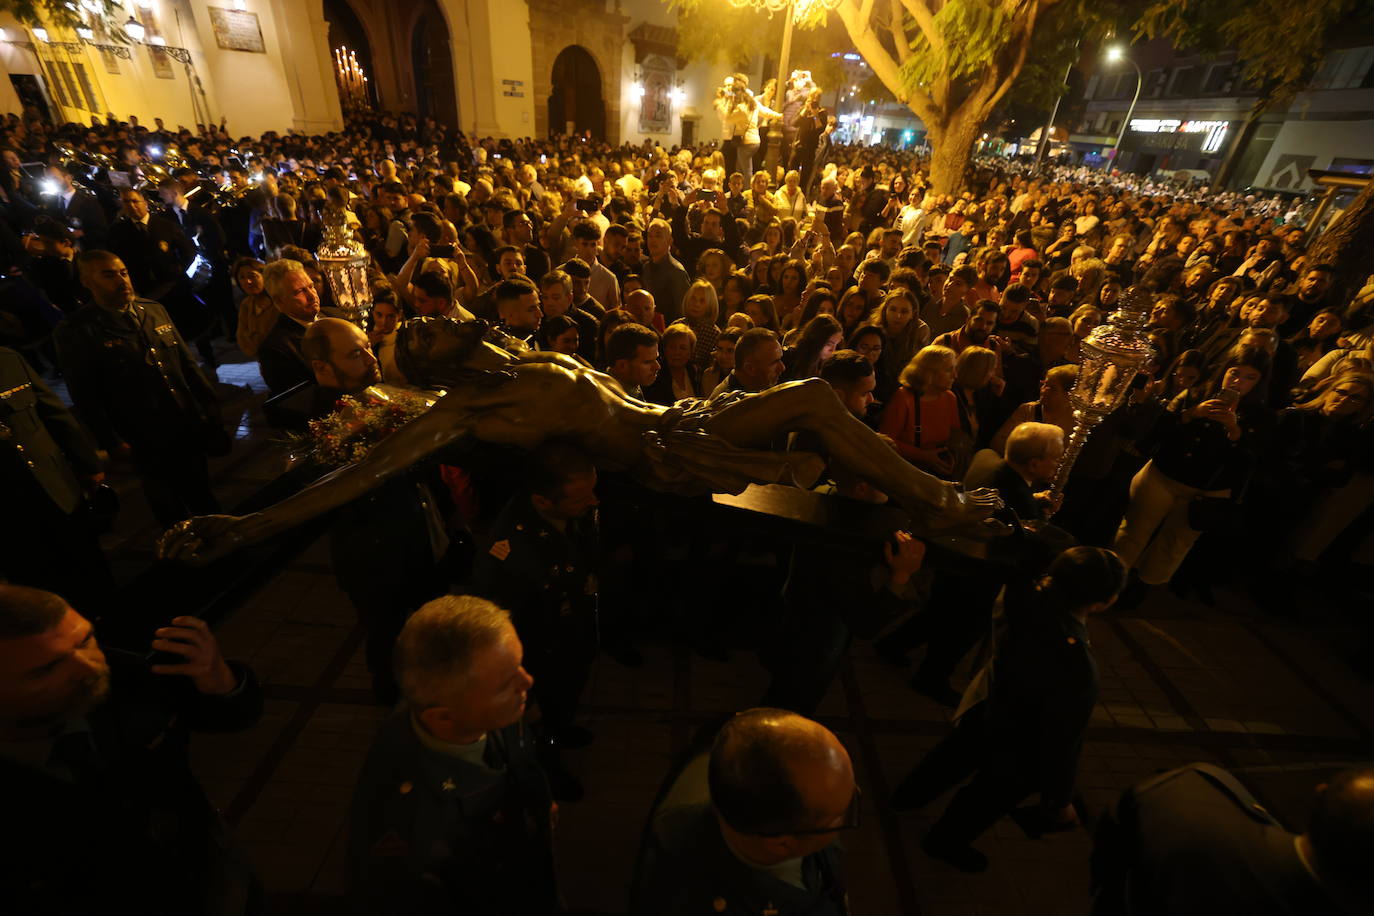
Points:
(503, 68)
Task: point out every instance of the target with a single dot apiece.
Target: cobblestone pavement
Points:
(1181, 682)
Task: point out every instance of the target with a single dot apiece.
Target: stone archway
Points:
(431, 58)
(575, 102)
(557, 24)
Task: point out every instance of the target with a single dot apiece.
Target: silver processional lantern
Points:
(343, 260)
(1111, 356)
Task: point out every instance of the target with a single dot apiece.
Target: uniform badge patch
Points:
(500, 550)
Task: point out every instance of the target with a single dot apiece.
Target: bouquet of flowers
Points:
(356, 425)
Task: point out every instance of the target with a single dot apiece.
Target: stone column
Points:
(474, 47)
(303, 36)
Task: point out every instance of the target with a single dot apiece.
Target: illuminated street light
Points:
(1116, 54)
(134, 29)
(40, 33)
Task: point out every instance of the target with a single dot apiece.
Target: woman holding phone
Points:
(1203, 451)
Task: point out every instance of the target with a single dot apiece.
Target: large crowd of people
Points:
(136, 258)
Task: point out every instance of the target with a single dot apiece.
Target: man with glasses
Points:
(750, 826)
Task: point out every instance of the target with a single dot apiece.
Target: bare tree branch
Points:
(1023, 49)
(898, 26)
(884, 65)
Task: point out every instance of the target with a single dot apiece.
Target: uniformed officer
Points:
(749, 828)
(102, 811)
(1194, 841)
(542, 566)
(139, 390)
(48, 464)
(1020, 726)
(451, 812)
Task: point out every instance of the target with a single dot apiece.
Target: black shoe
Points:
(563, 786)
(573, 738)
(891, 653)
(626, 655)
(939, 691)
(965, 858)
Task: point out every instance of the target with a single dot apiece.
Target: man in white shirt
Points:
(604, 287)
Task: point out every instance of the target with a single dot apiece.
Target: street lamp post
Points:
(1042, 149)
(1114, 55)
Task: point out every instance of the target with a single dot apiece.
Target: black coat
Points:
(686, 868)
(156, 254)
(133, 380)
(85, 213)
(661, 391)
(280, 359)
(130, 830)
(57, 278)
(1044, 688)
(1015, 492)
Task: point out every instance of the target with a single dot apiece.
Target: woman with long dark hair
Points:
(791, 284)
(1207, 450)
(905, 332)
(870, 341)
(734, 291)
(819, 338)
(853, 310)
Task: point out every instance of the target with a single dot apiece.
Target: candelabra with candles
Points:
(351, 79)
(1112, 355)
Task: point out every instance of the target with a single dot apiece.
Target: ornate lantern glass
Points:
(1111, 356)
(343, 261)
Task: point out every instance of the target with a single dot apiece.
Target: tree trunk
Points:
(1348, 244)
(951, 145)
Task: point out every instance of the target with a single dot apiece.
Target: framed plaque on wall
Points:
(237, 30)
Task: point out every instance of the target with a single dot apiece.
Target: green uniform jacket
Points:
(133, 379)
(686, 869)
(433, 834)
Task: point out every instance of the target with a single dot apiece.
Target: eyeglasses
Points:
(850, 822)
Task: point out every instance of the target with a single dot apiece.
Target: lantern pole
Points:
(1112, 355)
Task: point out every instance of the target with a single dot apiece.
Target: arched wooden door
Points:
(432, 60)
(575, 104)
